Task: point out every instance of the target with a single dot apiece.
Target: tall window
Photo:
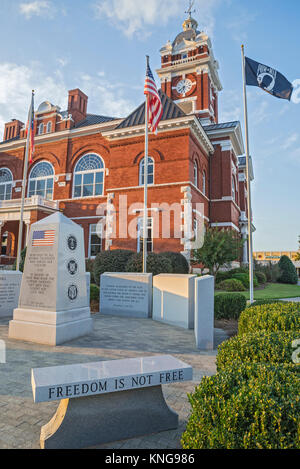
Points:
(89, 176)
(150, 171)
(49, 127)
(41, 180)
(95, 244)
(41, 129)
(204, 182)
(140, 236)
(233, 189)
(196, 173)
(6, 180)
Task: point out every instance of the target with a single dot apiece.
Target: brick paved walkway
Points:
(112, 338)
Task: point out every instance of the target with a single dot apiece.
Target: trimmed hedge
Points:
(261, 277)
(244, 278)
(288, 272)
(253, 406)
(179, 263)
(265, 302)
(94, 292)
(231, 284)
(229, 305)
(111, 261)
(273, 317)
(222, 276)
(265, 347)
(22, 261)
(156, 264)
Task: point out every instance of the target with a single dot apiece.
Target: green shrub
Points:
(111, 261)
(222, 275)
(239, 270)
(271, 271)
(262, 346)
(253, 406)
(272, 317)
(265, 302)
(261, 277)
(231, 285)
(244, 278)
(229, 305)
(288, 272)
(156, 264)
(89, 267)
(179, 263)
(94, 292)
(22, 261)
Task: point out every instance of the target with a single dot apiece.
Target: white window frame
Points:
(233, 188)
(91, 232)
(204, 182)
(7, 183)
(92, 171)
(139, 230)
(41, 178)
(141, 166)
(49, 127)
(196, 170)
(41, 129)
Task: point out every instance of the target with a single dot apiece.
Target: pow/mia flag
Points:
(268, 79)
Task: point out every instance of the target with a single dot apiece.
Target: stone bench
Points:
(107, 401)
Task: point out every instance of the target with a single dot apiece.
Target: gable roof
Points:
(92, 119)
(137, 117)
(224, 125)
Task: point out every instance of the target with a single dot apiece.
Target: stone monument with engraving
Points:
(10, 283)
(53, 304)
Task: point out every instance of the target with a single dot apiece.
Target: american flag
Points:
(155, 108)
(30, 129)
(43, 238)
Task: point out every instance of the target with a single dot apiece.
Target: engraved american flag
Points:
(43, 238)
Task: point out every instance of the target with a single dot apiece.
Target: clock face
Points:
(184, 86)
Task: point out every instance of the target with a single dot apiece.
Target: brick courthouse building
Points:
(82, 160)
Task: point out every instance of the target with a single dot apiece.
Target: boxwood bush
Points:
(156, 264)
(222, 275)
(265, 302)
(179, 263)
(272, 317)
(288, 272)
(111, 261)
(94, 292)
(261, 277)
(244, 278)
(252, 406)
(265, 347)
(229, 305)
(231, 284)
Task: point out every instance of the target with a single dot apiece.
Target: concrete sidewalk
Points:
(112, 338)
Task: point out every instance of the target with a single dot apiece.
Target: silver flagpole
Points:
(250, 241)
(24, 187)
(145, 227)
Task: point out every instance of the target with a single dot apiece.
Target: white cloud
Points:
(17, 82)
(135, 17)
(291, 139)
(43, 8)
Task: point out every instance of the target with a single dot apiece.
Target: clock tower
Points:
(189, 72)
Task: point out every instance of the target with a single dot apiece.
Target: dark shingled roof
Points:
(137, 117)
(225, 125)
(92, 119)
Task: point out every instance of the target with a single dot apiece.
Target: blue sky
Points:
(100, 47)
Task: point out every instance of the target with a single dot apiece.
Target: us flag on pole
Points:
(43, 238)
(30, 129)
(155, 108)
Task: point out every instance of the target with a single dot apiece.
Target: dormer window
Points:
(49, 127)
(41, 129)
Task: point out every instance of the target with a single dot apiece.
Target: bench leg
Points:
(94, 420)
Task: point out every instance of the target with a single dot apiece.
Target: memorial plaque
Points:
(126, 294)
(10, 283)
(53, 305)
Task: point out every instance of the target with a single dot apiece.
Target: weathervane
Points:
(190, 11)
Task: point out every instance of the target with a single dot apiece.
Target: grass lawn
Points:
(273, 291)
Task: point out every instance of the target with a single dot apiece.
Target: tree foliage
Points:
(219, 249)
(288, 271)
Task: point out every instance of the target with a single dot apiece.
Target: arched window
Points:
(233, 188)
(204, 183)
(6, 179)
(196, 173)
(89, 176)
(49, 127)
(41, 129)
(41, 180)
(150, 171)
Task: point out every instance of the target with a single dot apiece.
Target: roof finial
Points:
(190, 11)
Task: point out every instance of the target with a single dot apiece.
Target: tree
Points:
(288, 271)
(219, 249)
(297, 258)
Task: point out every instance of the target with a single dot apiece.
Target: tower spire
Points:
(190, 11)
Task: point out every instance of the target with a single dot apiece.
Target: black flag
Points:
(267, 78)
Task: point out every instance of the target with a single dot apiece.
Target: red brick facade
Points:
(183, 143)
